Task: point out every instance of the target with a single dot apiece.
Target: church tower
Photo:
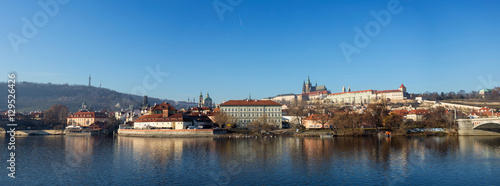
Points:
(145, 103)
(304, 87)
(200, 104)
(84, 106)
(207, 102)
(308, 85)
(402, 88)
(343, 88)
(349, 89)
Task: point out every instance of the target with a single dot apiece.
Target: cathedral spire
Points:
(304, 86)
(349, 89)
(343, 88)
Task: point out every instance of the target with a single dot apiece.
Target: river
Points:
(77, 160)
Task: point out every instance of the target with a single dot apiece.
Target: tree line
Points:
(462, 94)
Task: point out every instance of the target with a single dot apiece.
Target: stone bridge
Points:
(481, 126)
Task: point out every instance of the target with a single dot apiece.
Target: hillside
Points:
(38, 96)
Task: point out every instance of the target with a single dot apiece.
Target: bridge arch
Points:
(488, 125)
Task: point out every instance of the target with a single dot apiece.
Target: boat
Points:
(326, 136)
(385, 134)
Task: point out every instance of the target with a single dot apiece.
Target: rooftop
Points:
(250, 103)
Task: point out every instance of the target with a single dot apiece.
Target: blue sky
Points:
(260, 47)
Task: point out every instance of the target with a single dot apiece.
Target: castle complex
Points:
(367, 96)
(346, 96)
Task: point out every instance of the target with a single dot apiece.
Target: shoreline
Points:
(223, 133)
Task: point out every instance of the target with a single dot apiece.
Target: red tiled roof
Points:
(314, 93)
(159, 118)
(250, 103)
(163, 106)
(419, 111)
(315, 117)
(317, 92)
(81, 114)
(402, 86)
(400, 112)
(387, 91)
(352, 92)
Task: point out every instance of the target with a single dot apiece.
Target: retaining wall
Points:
(171, 133)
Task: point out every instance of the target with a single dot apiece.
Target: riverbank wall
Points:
(171, 133)
(35, 132)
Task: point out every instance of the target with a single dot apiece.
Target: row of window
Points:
(79, 119)
(252, 120)
(249, 109)
(254, 115)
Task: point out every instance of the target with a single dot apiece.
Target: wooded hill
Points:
(40, 96)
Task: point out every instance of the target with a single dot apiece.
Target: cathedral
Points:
(207, 102)
(307, 87)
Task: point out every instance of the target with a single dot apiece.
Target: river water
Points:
(76, 160)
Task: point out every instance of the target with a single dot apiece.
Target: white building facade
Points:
(248, 111)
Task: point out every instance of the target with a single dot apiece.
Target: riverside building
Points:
(248, 111)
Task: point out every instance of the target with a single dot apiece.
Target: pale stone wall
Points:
(171, 133)
(466, 128)
(37, 132)
(351, 97)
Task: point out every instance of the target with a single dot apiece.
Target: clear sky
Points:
(260, 47)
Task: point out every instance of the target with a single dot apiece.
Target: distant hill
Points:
(39, 96)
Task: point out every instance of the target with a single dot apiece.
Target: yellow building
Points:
(86, 118)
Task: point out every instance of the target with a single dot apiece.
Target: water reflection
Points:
(257, 161)
(79, 150)
(343, 159)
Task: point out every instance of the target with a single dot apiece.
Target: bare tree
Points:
(298, 111)
(379, 112)
(222, 119)
(56, 116)
(261, 124)
(344, 121)
(393, 121)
